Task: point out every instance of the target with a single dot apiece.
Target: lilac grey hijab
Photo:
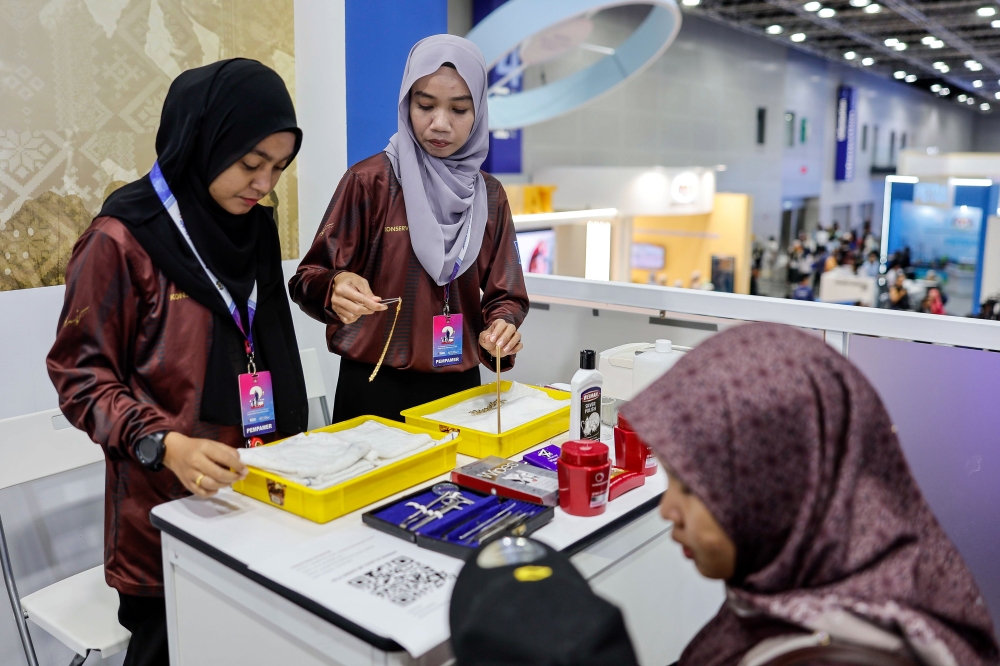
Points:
(443, 196)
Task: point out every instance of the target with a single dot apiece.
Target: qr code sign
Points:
(401, 580)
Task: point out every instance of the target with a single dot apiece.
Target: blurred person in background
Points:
(803, 292)
(933, 303)
(871, 266)
(899, 298)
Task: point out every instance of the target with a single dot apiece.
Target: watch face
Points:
(149, 449)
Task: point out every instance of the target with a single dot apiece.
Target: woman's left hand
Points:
(503, 334)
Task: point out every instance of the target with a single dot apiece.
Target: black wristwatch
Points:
(151, 449)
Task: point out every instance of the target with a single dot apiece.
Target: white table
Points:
(221, 611)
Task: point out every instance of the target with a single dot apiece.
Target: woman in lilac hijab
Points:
(419, 221)
(788, 482)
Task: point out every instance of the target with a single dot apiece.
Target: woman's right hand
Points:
(202, 465)
(352, 298)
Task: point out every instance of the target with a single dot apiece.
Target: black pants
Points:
(146, 618)
(393, 390)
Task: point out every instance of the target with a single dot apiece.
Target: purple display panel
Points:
(944, 402)
(847, 133)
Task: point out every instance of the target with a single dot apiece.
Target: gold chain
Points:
(399, 306)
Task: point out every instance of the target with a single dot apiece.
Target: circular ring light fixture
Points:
(541, 30)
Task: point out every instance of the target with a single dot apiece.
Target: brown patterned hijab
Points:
(791, 449)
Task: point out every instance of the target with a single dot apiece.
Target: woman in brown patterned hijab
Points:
(788, 482)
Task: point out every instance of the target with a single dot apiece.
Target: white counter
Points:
(220, 610)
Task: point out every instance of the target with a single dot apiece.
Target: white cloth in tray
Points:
(386, 442)
(306, 455)
(322, 459)
(327, 480)
(523, 404)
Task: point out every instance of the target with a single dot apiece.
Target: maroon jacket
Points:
(128, 361)
(365, 231)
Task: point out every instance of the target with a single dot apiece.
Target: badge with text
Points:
(447, 340)
(257, 404)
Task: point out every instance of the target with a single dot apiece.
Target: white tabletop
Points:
(250, 531)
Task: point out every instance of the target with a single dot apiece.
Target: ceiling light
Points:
(995, 24)
(986, 11)
(962, 98)
(936, 87)
(984, 106)
(775, 30)
(827, 12)
(900, 47)
(850, 55)
(938, 65)
(938, 44)
(812, 6)
(874, 8)
(977, 84)
(910, 78)
(944, 69)
(996, 95)
(798, 37)
(945, 91)
(973, 65)
(892, 41)
(868, 62)
(691, 3)
(860, 3)
(900, 74)
(970, 101)
(928, 40)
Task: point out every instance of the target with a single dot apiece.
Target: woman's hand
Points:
(503, 334)
(352, 298)
(214, 464)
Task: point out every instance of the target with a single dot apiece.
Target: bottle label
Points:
(599, 489)
(650, 460)
(590, 414)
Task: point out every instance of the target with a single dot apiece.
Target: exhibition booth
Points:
(349, 558)
(665, 226)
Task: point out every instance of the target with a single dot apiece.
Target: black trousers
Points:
(146, 618)
(393, 390)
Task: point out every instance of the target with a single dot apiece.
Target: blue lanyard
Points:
(170, 203)
(458, 264)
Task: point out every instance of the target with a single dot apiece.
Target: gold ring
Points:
(197, 481)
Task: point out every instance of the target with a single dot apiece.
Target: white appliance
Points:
(617, 363)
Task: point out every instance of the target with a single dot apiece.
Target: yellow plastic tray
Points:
(479, 444)
(324, 505)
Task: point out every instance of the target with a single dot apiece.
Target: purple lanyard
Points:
(458, 264)
(170, 203)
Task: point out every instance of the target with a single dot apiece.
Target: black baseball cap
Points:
(519, 602)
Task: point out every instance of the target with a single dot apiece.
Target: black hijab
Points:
(213, 116)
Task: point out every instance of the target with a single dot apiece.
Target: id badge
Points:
(447, 340)
(257, 404)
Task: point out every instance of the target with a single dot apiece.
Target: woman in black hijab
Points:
(151, 358)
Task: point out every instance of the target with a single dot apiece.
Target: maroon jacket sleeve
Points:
(89, 361)
(340, 245)
(504, 293)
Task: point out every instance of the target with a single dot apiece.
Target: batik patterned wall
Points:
(82, 83)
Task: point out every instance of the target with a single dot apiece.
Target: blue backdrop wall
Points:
(378, 37)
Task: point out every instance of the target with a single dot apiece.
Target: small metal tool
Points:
(505, 524)
(454, 504)
(389, 301)
(424, 508)
(478, 528)
(499, 401)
